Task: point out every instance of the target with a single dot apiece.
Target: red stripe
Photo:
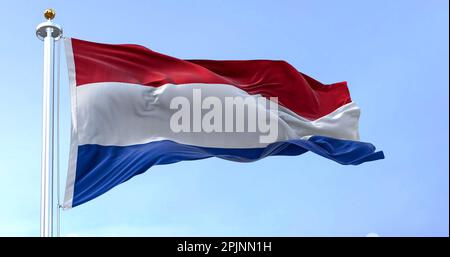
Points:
(95, 62)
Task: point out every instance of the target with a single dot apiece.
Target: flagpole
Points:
(49, 33)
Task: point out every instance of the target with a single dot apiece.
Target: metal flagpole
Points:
(49, 33)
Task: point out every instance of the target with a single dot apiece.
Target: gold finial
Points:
(49, 14)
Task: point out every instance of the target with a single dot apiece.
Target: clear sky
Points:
(394, 55)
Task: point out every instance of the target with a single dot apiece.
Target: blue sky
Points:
(394, 55)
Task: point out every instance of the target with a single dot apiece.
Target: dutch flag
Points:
(133, 108)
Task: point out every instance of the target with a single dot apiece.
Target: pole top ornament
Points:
(49, 14)
(48, 27)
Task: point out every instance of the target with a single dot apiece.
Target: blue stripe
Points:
(100, 168)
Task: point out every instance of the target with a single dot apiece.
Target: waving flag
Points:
(133, 108)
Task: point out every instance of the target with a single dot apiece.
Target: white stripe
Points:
(68, 197)
(122, 114)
